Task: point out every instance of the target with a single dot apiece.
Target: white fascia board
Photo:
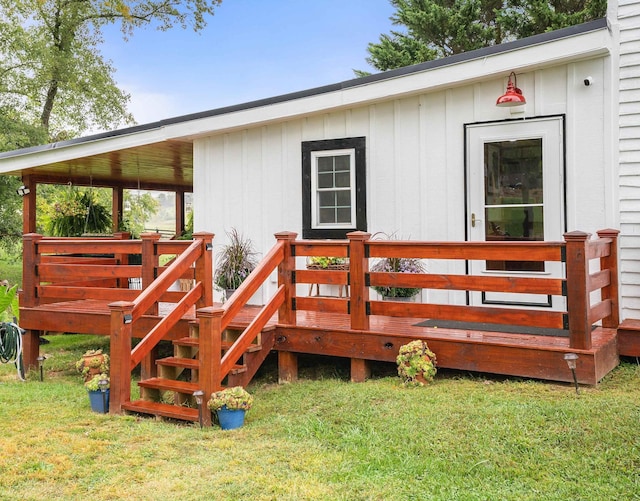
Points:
(584, 46)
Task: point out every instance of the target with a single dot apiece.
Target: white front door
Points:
(515, 191)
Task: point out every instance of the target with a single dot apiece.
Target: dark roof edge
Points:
(386, 75)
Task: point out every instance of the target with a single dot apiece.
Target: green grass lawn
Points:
(11, 270)
(466, 437)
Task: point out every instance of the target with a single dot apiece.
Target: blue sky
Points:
(250, 49)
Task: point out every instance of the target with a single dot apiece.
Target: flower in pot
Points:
(93, 362)
(398, 265)
(98, 389)
(230, 405)
(416, 363)
(236, 260)
(326, 262)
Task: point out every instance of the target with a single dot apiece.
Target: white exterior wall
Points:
(251, 179)
(629, 155)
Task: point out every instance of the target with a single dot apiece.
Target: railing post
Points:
(209, 354)
(29, 297)
(578, 303)
(610, 263)
(286, 313)
(204, 269)
(30, 261)
(120, 351)
(122, 259)
(149, 263)
(358, 268)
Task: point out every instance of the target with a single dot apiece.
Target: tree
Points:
(439, 28)
(50, 65)
(14, 133)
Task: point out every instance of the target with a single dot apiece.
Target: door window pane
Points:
(514, 197)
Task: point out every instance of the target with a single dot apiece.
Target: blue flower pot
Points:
(230, 419)
(97, 404)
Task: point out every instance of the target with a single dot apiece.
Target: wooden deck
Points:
(320, 333)
(76, 285)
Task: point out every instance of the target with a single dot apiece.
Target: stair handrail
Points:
(252, 283)
(124, 314)
(214, 367)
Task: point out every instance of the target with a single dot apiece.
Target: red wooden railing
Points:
(54, 272)
(578, 284)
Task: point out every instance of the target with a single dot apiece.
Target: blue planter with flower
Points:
(230, 405)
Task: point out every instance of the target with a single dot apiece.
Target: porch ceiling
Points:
(162, 165)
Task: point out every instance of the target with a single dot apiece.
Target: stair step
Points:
(158, 383)
(190, 363)
(165, 410)
(194, 341)
(187, 363)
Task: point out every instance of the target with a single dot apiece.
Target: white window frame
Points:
(315, 191)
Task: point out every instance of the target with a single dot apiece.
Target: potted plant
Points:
(92, 363)
(416, 363)
(230, 404)
(327, 263)
(98, 389)
(236, 260)
(397, 265)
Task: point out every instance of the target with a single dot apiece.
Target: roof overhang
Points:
(160, 154)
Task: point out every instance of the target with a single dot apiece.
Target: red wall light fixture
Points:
(513, 96)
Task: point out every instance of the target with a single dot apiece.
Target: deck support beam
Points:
(287, 367)
(360, 370)
(31, 349)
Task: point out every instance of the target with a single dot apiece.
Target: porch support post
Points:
(120, 350)
(180, 219)
(29, 205)
(358, 268)
(209, 354)
(117, 197)
(610, 292)
(578, 303)
(204, 269)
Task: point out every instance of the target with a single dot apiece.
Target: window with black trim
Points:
(334, 194)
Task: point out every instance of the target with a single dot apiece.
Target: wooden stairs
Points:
(170, 394)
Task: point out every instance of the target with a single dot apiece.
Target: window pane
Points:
(513, 172)
(343, 198)
(344, 215)
(342, 162)
(515, 223)
(327, 216)
(325, 164)
(327, 199)
(342, 180)
(325, 180)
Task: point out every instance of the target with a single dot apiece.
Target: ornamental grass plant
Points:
(235, 261)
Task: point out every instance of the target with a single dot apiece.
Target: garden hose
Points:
(11, 346)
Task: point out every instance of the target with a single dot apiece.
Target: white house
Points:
(422, 151)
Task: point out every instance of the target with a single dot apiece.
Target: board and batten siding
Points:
(251, 179)
(629, 155)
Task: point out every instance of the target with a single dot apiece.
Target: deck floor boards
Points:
(330, 333)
